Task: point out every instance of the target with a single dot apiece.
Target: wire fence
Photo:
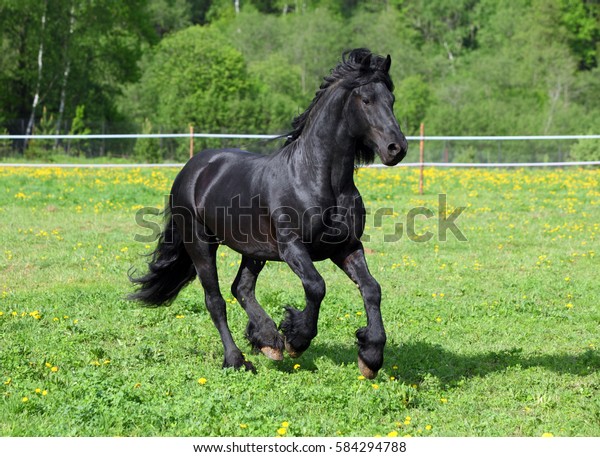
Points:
(172, 149)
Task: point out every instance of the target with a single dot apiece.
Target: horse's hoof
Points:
(272, 353)
(249, 367)
(291, 351)
(365, 370)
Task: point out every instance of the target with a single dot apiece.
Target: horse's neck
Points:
(326, 148)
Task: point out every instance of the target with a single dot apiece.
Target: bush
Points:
(148, 149)
(585, 150)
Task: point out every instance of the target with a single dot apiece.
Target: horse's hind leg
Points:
(261, 330)
(203, 255)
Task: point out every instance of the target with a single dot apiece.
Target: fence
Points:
(490, 151)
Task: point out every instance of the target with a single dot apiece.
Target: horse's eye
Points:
(366, 101)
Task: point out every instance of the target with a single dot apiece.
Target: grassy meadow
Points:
(498, 335)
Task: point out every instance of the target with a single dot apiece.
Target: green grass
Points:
(494, 336)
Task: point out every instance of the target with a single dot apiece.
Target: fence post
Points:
(421, 157)
(191, 141)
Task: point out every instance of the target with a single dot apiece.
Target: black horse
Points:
(298, 205)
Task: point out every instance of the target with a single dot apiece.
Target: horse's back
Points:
(209, 172)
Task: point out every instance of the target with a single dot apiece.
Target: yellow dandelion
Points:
(361, 378)
(25, 399)
(428, 427)
(444, 400)
(137, 385)
(8, 381)
(243, 426)
(569, 305)
(54, 369)
(281, 431)
(44, 392)
(179, 316)
(547, 435)
(38, 391)
(285, 424)
(202, 381)
(393, 434)
(297, 366)
(375, 386)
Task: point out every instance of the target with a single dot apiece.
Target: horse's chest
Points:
(332, 226)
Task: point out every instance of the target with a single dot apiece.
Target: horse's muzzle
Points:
(394, 152)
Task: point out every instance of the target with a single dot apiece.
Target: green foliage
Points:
(5, 145)
(582, 21)
(467, 67)
(42, 149)
(148, 149)
(169, 15)
(413, 97)
(78, 127)
(191, 77)
(585, 150)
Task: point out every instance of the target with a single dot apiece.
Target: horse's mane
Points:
(351, 72)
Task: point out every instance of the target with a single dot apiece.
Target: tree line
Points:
(463, 67)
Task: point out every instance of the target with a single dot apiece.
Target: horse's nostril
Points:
(393, 147)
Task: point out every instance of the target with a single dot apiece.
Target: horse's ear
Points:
(387, 64)
(366, 62)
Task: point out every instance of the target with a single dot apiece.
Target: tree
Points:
(192, 77)
(413, 97)
(582, 21)
(62, 63)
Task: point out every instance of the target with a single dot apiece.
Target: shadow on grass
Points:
(418, 360)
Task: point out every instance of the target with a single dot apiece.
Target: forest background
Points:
(463, 67)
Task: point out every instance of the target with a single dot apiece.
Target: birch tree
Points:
(40, 66)
(67, 70)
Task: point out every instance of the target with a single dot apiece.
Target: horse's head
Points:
(369, 111)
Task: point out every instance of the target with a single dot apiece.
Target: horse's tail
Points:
(170, 269)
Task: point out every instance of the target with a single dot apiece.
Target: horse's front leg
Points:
(371, 339)
(300, 327)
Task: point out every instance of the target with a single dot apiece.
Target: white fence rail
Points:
(94, 136)
(378, 165)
